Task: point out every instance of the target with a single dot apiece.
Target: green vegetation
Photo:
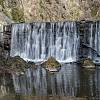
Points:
(17, 64)
(94, 11)
(41, 9)
(1, 2)
(13, 10)
(88, 63)
(17, 15)
(52, 63)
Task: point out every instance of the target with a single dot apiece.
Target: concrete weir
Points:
(87, 44)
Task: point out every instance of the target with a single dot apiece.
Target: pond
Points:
(39, 84)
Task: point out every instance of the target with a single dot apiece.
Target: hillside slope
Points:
(50, 10)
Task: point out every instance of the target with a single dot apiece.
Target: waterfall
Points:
(1, 34)
(92, 40)
(97, 40)
(39, 41)
(97, 36)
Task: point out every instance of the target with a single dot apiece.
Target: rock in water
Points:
(88, 63)
(52, 65)
(31, 64)
(17, 64)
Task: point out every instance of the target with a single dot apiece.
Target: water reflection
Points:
(90, 83)
(71, 80)
(42, 83)
(6, 86)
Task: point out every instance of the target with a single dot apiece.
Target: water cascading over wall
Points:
(92, 40)
(39, 41)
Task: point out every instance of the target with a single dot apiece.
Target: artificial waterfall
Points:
(39, 41)
(92, 40)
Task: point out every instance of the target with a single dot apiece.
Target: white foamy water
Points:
(39, 41)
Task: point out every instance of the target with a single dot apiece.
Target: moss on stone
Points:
(17, 64)
(88, 63)
(52, 64)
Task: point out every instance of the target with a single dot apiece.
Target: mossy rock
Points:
(15, 60)
(88, 63)
(17, 64)
(52, 64)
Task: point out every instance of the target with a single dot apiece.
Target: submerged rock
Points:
(88, 63)
(52, 65)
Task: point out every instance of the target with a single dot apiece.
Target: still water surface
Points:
(70, 81)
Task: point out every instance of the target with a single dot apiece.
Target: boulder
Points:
(52, 65)
(88, 63)
(17, 64)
